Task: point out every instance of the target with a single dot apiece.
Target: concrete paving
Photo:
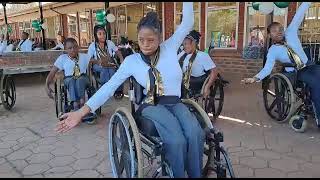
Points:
(258, 146)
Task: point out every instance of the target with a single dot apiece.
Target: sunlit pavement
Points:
(258, 146)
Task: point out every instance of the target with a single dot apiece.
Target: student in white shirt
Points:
(199, 62)
(25, 45)
(179, 130)
(101, 51)
(278, 51)
(59, 45)
(75, 83)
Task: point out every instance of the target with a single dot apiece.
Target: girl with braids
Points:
(101, 50)
(195, 64)
(287, 48)
(74, 65)
(157, 63)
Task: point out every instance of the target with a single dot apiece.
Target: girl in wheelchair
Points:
(157, 69)
(286, 48)
(195, 65)
(101, 51)
(74, 65)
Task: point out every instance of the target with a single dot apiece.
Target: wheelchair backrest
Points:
(138, 91)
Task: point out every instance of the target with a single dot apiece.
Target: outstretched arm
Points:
(298, 17)
(184, 28)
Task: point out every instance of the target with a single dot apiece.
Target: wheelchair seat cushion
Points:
(146, 126)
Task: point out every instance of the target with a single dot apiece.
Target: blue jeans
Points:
(182, 136)
(76, 87)
(311, 75)
(105, 74)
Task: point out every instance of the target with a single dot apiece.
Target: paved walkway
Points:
(258, 146)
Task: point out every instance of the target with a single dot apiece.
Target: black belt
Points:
(83, 74)
(160, 100)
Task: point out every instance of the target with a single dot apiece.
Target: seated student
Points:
(101, 51)
(74, 65)
(25, 45)
(287, 48)
(195, 64)
(59, 45)
(157, 63)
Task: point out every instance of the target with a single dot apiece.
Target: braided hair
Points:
(151, 21)
(194, 36)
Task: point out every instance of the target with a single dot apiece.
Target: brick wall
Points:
(242, 67)
(169, 19)
(16, 59)
(291, 11)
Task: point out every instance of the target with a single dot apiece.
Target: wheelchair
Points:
(96, 82)
(8, 91)
(62, 104)
(214, 103)
(286, 98)
(134, 143)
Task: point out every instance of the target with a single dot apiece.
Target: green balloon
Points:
(100, 15)
(281, 4)
(206, 50)
(38, 29)
(255, 5)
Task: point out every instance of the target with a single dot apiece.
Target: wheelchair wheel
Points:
(59, 97)
(125, 145)
(90, 92)
(298, 123)
(8, 94)
(214, 103)
(279, 97)
(212, 161)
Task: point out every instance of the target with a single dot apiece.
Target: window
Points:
(57, 25)
(178, 15)
(84, 29)
(222, 19)
(72, 26)
(256, 25)
(310, 29)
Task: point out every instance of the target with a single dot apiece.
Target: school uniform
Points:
(25, 45)
(105, 72)
(309, 74)
(200, 66)
(179, 130)
(76, 86)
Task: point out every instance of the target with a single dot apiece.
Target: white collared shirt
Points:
(66, 64)
(26, 45)
(168, 65)
(200, 65)
(280, 52)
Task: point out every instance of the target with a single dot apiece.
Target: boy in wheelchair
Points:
(196, 66)
(74, 65)
(157, 69)
(287, 49)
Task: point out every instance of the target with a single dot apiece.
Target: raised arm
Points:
(298, 17)
(184, 28)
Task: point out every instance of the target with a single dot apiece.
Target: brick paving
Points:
(258, 147)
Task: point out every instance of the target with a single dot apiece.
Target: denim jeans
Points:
(311, 75)
(76, 87)
(182, 137)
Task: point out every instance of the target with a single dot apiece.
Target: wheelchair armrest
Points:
(288, 65)
(138, 91)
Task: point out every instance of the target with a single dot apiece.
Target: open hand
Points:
(70, 120)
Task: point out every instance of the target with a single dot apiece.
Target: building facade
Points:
(232, 27)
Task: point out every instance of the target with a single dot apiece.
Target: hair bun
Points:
(150, 20)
